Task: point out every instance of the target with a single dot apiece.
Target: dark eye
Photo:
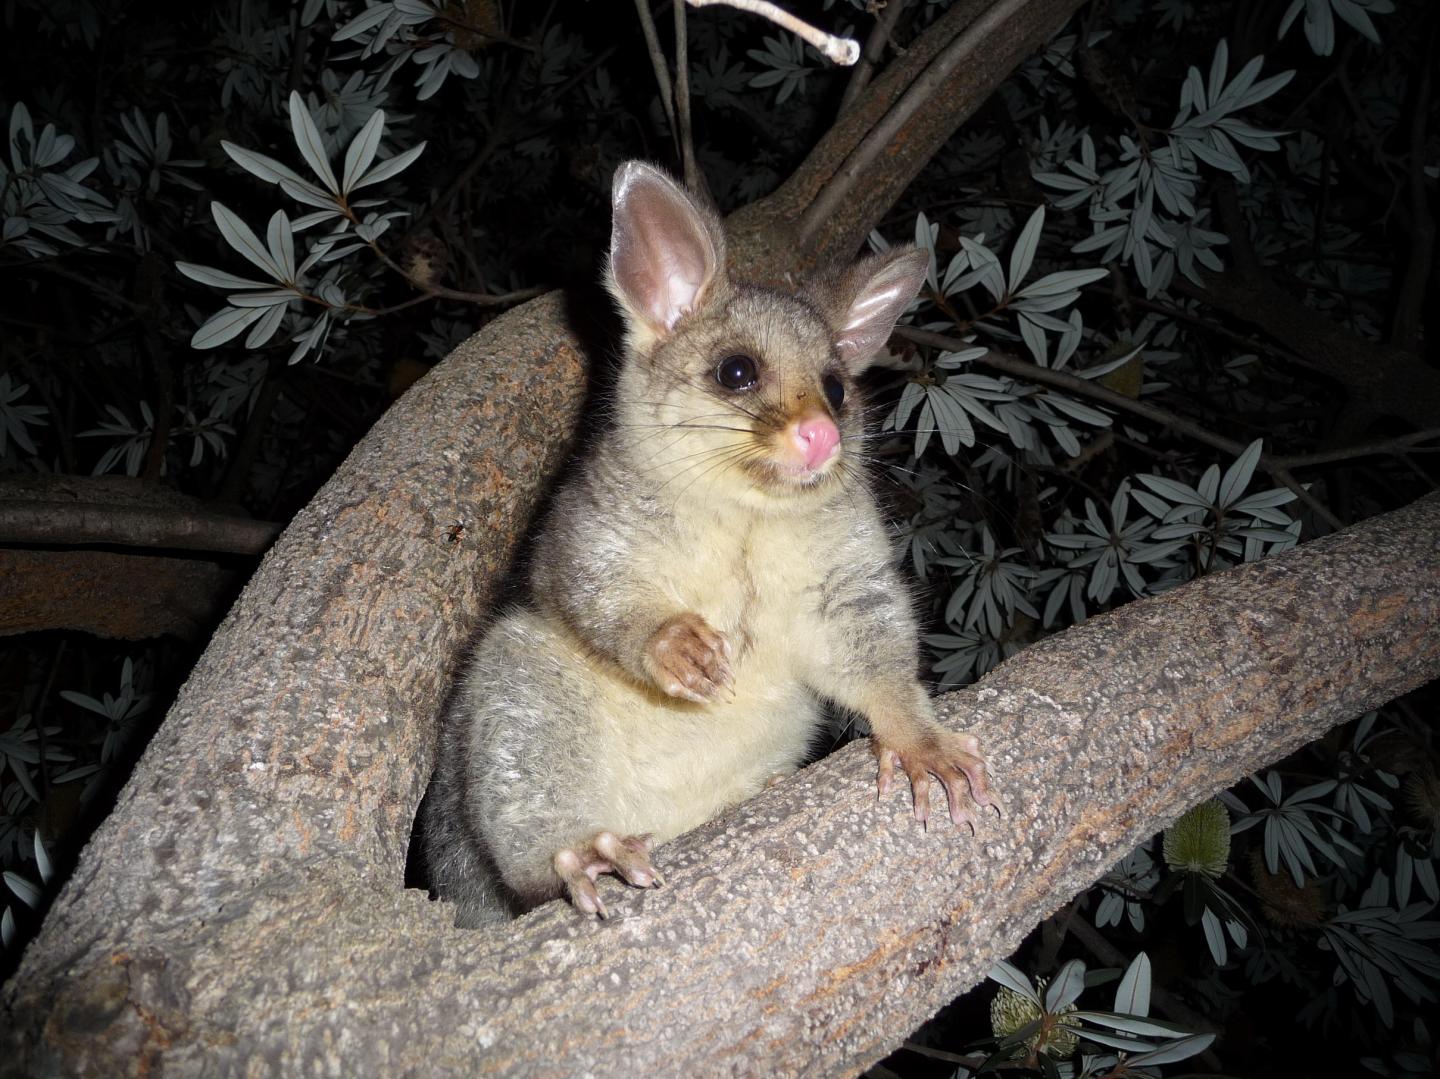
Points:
(736, 372)
(834, 391)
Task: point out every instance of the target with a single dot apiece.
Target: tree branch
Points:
(269, 923)
(880, 36)
(1162, 417)
(838, 50)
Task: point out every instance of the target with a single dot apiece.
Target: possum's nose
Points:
(817, 439)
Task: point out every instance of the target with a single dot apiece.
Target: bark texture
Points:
(111, 594)
(242, 911)
(764, 236)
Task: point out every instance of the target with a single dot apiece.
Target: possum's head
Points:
(735, 390)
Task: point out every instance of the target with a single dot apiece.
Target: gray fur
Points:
(559, 729)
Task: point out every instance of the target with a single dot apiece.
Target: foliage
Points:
(357, 185)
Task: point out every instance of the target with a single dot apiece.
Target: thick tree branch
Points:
(806, 930)
(120, 511)
(129, 597)
(765, 236)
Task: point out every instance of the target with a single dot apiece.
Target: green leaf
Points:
(1023, 255)
(1182, 1049)
(307, 138)
(362, 151)
(387, 169)
(207, 275)
(1133, 995)
(29, 894)
(281, 243)
(225, 324)
(267, 168)
(1013, 979)
(238, 235)
(1237, 476)
(1066, 987)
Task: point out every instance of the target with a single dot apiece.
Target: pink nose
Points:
(817, 439)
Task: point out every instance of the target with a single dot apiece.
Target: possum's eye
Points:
(834, 391)
(736, 372)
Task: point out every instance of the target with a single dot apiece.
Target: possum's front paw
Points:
(689, 659)
(953, 759)
(625, 856)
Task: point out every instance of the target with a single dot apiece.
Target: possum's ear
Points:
(869, 297)
(666, 251)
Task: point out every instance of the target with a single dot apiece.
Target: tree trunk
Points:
(243, 907)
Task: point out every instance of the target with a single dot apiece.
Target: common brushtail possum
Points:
(714, 569)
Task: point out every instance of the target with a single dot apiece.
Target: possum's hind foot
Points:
(953, 759)
(628, 857)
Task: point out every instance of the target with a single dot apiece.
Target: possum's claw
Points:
(627, 857)
(953, 759)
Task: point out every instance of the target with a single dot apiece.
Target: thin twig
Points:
(980, 33)
(660, 66)
(693, 179)
(880, 35)
(841, 50)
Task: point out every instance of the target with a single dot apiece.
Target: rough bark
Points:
(120, 511)
(764, 236)
(105, 555)
(243, 908)
(129, 597)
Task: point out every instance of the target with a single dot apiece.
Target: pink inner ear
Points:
(680, 285)
(661, 253)
(879, 301)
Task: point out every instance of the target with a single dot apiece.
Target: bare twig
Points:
(693, 179)
(841, 50)
(880, 35)
(963, 47)
(660, 66)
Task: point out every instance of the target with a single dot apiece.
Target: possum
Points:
(712, 572)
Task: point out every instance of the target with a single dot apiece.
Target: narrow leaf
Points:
(1023, 255)
(362, 151)
(307, 138)
(387, 169)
